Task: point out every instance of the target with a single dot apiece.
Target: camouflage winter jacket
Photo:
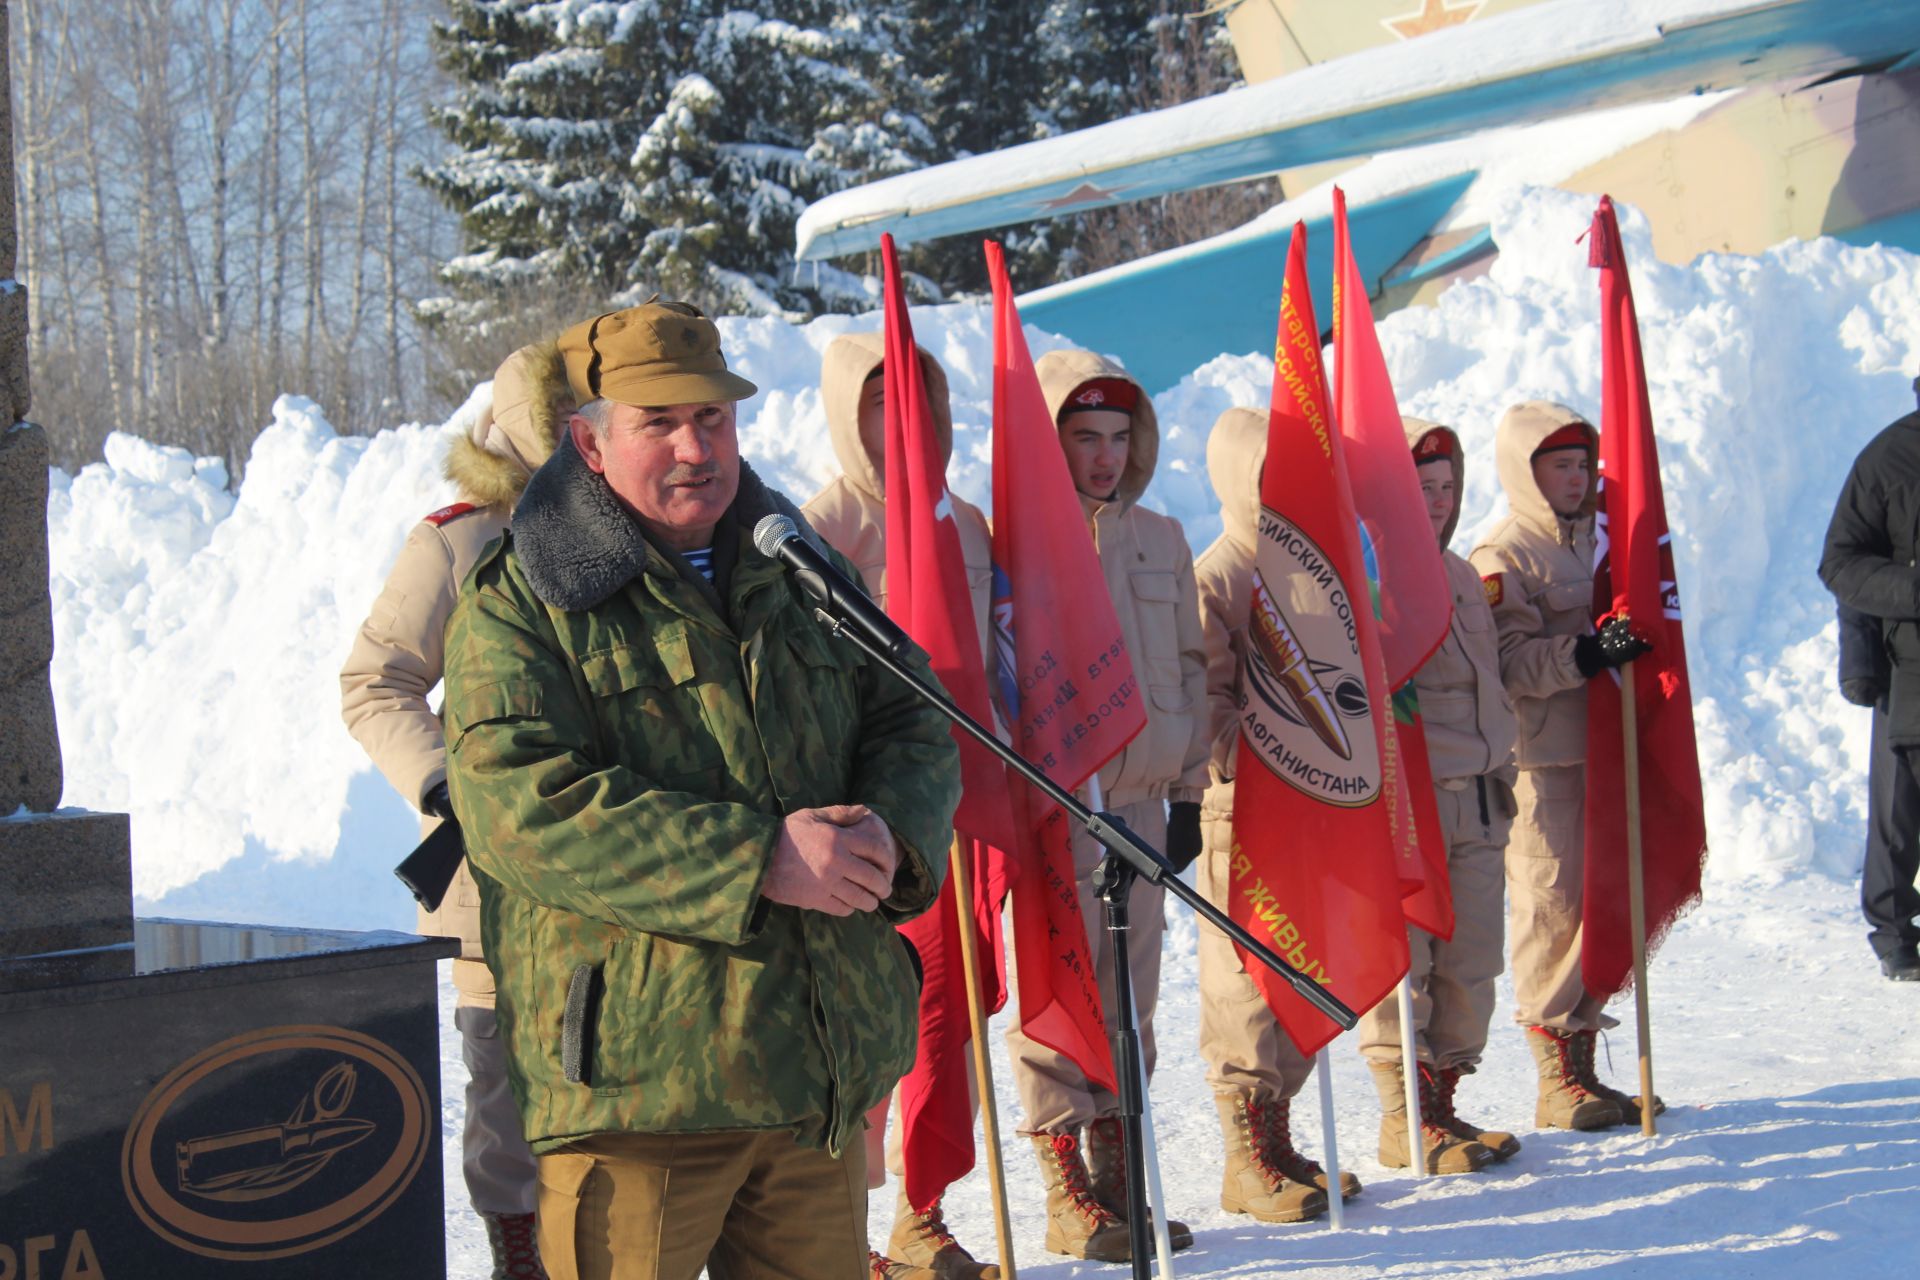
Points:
(624, 740)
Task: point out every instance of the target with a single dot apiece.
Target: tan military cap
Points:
(657, 353)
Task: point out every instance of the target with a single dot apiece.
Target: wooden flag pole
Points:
(1637, 892)
(1336, 1203)
(1410, 1079)
(982, 1063)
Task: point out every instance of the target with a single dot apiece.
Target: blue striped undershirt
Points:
(701, 559)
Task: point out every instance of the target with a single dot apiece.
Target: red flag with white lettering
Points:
(927, 593)
(1411, 596)
(1634, 576)
(1066, 686)
(1313, 863)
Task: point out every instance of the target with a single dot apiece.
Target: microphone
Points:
(778, 538)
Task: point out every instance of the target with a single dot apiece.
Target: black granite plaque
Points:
(222, 1101)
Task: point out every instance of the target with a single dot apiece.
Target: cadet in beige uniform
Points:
(851, 514)
(1111, 439)
(1536, 568)
(1470, 730)
(1252, 1067)
(395, 663)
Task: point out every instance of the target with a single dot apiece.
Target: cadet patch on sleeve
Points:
(1493, 584)
(444, 514)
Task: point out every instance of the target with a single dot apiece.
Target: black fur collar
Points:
(578, 545)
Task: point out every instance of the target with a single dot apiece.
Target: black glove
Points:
(1183, 833)
(437, 802)
(1615, 645)
(1863, 692)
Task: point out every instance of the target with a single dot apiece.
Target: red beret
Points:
(1575, 435)
(1102, 393)
(1434, 445)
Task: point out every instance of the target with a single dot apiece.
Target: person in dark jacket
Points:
(1869, 563)
(1887, 877)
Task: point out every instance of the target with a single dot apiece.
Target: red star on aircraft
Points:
(1085, 193)
(1432, 16)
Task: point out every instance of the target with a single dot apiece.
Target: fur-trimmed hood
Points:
(1522, 430)
(517, 431)
(578, 545)
(1419, 429)
(1061, 373)
(1236, 455)
(844, 368)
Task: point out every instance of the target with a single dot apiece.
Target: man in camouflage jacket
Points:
(694, 818)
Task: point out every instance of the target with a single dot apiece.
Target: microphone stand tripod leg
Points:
(1115, 884)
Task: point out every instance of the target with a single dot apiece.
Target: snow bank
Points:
(199, 634)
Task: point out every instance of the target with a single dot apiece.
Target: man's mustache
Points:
(687, 472)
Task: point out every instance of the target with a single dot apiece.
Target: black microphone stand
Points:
(1127, 856)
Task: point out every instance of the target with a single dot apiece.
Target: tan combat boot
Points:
(1078, 1225)
(881, 1267)
(1251, 1182)
(1444, 1081)
(516, 1252)
(1277, 1115)
(1564, 1102)
(1583, 1064)
(923, 1240)
(1107, 1172)
(1441, 1151)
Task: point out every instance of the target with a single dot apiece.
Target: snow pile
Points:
(1767, 376)
(200, 635)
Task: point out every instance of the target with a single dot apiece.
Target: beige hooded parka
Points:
(1243, 1045)
(1469, 719)
(1537, 571)
(851, 512)
(1150, 577)
(397, 656)
(1236, 453)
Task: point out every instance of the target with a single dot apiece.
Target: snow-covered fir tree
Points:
(666, 146)
(627, 147)
(987, 74)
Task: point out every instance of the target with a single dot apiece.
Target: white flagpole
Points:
(1336, 1207)
(1410, 1060)
(1156, 1197)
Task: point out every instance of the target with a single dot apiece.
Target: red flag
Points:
(1313, 866)
(927, 594)
(1633, 575)
(1411, 596)
(1426, 888)
(1416, 604)
(1066, 686)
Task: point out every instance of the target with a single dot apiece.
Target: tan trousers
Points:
(499, 1166)
(1453, 980)
(1545, 862)
(744, 1204)
(1245, 1049)
(1056, 1097)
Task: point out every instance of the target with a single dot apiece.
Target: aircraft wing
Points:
(1546, 60)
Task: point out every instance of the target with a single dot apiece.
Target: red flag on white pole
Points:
(1313, 864)
(1412, 599)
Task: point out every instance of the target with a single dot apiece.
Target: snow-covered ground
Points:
(1791, 1146)
(199, 634)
